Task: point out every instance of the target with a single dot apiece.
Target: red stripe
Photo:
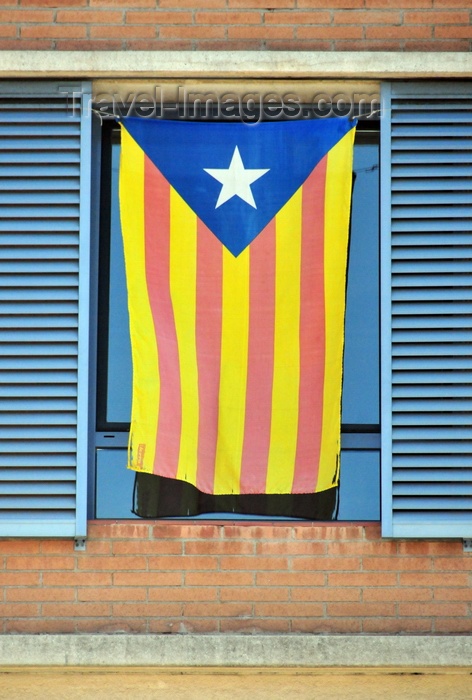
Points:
(312, 333)
(157, 223)
(208, 340)
(260, 362)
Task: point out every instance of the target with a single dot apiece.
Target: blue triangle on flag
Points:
(235, 176)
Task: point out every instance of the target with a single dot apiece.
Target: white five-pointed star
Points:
(236, 180)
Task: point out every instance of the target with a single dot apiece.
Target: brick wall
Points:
(342, 25)
(194, 577)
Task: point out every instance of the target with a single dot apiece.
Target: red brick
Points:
(299, 45)
(436, 17)
(437, 45)
(89, 45)
(454, 32)
(40, 563)
(326, 564)
(184, 563)
(254, 563)
(27, 16)
(183, 594)
(433, 579)
(423, 547)
(367, 17)
(453, 563)
(22, 45)
(50, 3)
(40, 31)
(253, 593)
(263, 32)
(158, 45)
(459, 4)
(228, 18)
(230, 44)
(363, 45)
(104, 530)
(373, 531)
(159, 17)
(146, 609)
(261, 5)
(453, 625)
(290, 579)
(258, 532)
(121, 3)
(432, 609)
(179, 626)
(115, 32)
(296, 17)
(326, 533)
(220, 578)
(87, 17)
(391, 626)
(405, 4)
(409, 32)
(147, 547)
(116, 625)
(112, 563)
(8, 30)
(368, 548)
(220, 547)
(192, 32)
(396, 595)
(41, 626)
(19, 547)
(182, 530)
(360, 610)
(330, 4)
(255, 626)
(192, 4)
(396, 563)
(39, 594)
(325, 594)
(216, 610)
(288, 610)
(362, 579)
(83, 578)
(76, 610)
(453, 594)
(10, 610)
(20, 579)
(96, 547)
(290, 548)
(147, 579)
(115, 593)
(57, 547)
(322, 626)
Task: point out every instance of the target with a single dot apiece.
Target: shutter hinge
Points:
(467, 545)
(79, 544)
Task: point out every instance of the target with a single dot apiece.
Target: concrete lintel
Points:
(244, 64)
(237, 651)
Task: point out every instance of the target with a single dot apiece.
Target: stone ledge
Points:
(244, 64)
(236, 651)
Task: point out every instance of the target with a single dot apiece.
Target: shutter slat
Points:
(427, 310)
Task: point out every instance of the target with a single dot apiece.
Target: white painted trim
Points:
(237, 651)
(244, 64)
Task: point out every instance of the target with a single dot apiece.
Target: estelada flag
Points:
(235, 240)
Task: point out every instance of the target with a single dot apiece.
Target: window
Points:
(359, 496)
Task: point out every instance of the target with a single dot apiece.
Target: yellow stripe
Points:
(337, 210)
(146, 386)
(183, 272)
(284, 426)
(233, 371)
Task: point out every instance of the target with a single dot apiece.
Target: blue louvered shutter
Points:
(45, 143)
(427, 309)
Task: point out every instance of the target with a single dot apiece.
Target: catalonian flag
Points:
(235, 241)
